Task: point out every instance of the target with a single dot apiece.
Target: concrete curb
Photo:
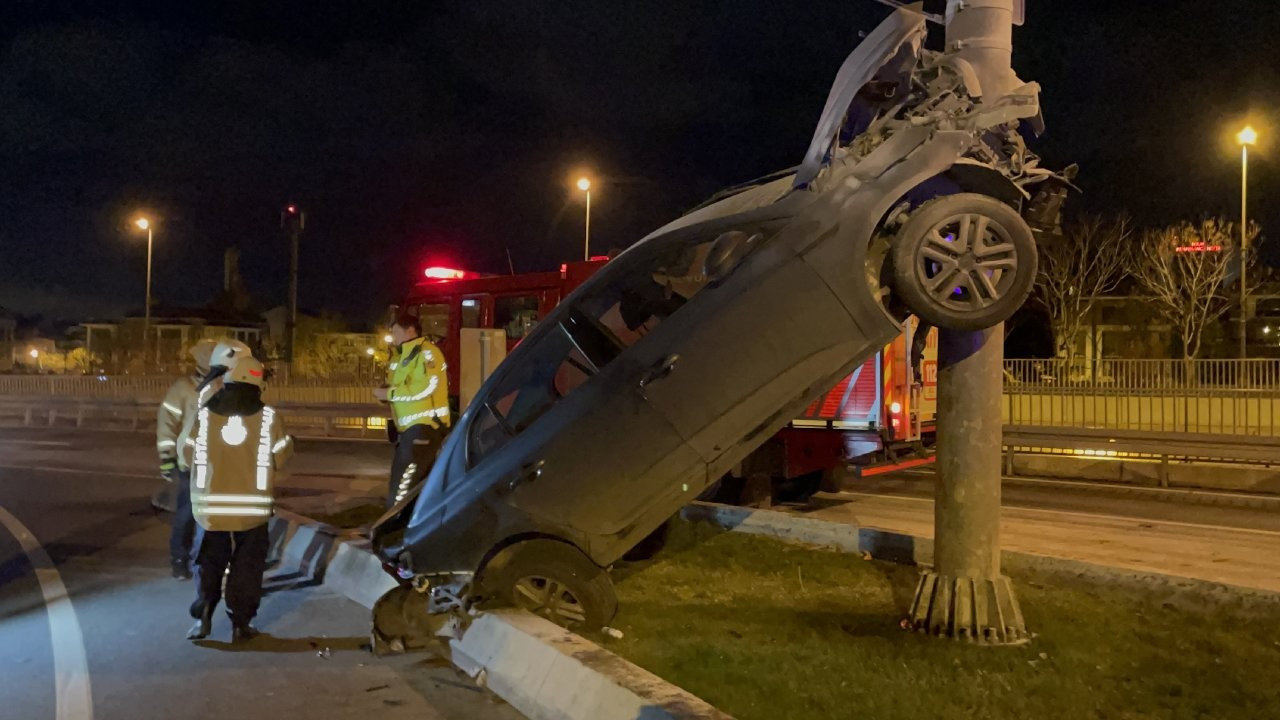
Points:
(912, 550)
(542, 670)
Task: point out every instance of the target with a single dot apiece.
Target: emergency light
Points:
(443, 273)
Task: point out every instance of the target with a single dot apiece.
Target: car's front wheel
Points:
(964, 262)
(556, 581)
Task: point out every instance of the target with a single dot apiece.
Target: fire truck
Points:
(879, 418)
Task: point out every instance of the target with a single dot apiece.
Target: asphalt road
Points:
(1148, 530)
(92, 626)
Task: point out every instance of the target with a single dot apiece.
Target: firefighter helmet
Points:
(248, 371)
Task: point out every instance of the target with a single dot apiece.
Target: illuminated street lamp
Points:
(584, 184)
(145, 224)
(35, 355)
(1246, 137)
(388, 339)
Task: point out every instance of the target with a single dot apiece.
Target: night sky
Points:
(417, 132)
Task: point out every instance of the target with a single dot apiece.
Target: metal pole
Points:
(146, 312)
(1244, 248)
(586, 242)
(965, 595)
(292, 330)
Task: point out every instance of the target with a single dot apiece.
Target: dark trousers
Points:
(416, 450)
(183, 525)
(245, 551)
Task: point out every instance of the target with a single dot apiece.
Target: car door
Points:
(565, 441)
(743, 352)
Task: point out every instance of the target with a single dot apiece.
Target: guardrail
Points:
(151, 388)
(335, 420)
(1230, 397)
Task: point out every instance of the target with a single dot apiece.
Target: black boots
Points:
(203, 626)
(243, 632)
(181, 569)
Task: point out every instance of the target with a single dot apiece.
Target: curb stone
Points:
(539, 668)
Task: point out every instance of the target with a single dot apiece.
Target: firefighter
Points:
(174, 419)
(418, 391)
(224, 355)
(235, 449)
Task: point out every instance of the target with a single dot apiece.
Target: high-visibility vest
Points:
(234, 462)
(174, 419)
(418, 386)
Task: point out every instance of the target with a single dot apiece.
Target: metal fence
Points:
(1237, 397)
(151, 389)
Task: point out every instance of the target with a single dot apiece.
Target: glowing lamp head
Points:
(292, 209)
(1247, 136)
(142, 223)
(388, 339)
(368, 351)
(35, 353)
(443, 273)
(584, 184)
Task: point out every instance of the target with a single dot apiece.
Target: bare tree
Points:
(1183, 268)
(1087, 263)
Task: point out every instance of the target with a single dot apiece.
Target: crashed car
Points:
(691, 348)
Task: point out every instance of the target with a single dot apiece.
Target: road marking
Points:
(71, 670)
(79, 471)
(1096, 516)
(43, 443)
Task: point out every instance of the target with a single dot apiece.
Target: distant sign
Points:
(1198, 247)
(929, 369)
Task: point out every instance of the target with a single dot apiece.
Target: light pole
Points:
(1246, 137)
(145, 224)
(584, 184)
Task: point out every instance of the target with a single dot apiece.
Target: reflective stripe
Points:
(264, 448)
(431, 387)
(435, 413)
(172, 409)
(231, 498)
(405, 479)
(280, 445)
(202, 450)
(235, 511)
(166, 444)
(395, 365)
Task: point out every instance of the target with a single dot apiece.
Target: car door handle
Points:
(528, 473)
(658, 371)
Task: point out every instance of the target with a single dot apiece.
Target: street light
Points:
(145, 224)
(584, 184)
(35, 355)
(1246, 137)
(388, 339)
(368, 351)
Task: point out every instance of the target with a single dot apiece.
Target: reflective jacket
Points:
(234, 459)
(174, 418)
(418, 386)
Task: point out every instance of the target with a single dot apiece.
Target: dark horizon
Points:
(414, 136)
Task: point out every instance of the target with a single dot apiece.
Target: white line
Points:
(71, 670)
(78, 471)
(1096, 516)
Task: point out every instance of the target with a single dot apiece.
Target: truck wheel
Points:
(964, 262)
(556, 581)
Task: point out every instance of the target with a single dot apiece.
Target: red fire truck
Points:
(875, 413)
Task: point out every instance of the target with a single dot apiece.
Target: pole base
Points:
(978, 610)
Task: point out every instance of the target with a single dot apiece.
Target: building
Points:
(118, 346)
(8, 334)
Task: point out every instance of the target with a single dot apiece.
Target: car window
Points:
(471, 309)
(434, 319)
(555, 368)
(516, 314)
(656, 284)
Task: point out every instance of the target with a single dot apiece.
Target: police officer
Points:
(235, 449)
(418, 391)
(174, 419)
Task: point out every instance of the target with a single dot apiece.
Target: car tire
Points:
(964, 262)
(558, 582)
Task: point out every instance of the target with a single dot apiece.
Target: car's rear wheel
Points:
(964, 262)
(558, 582)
